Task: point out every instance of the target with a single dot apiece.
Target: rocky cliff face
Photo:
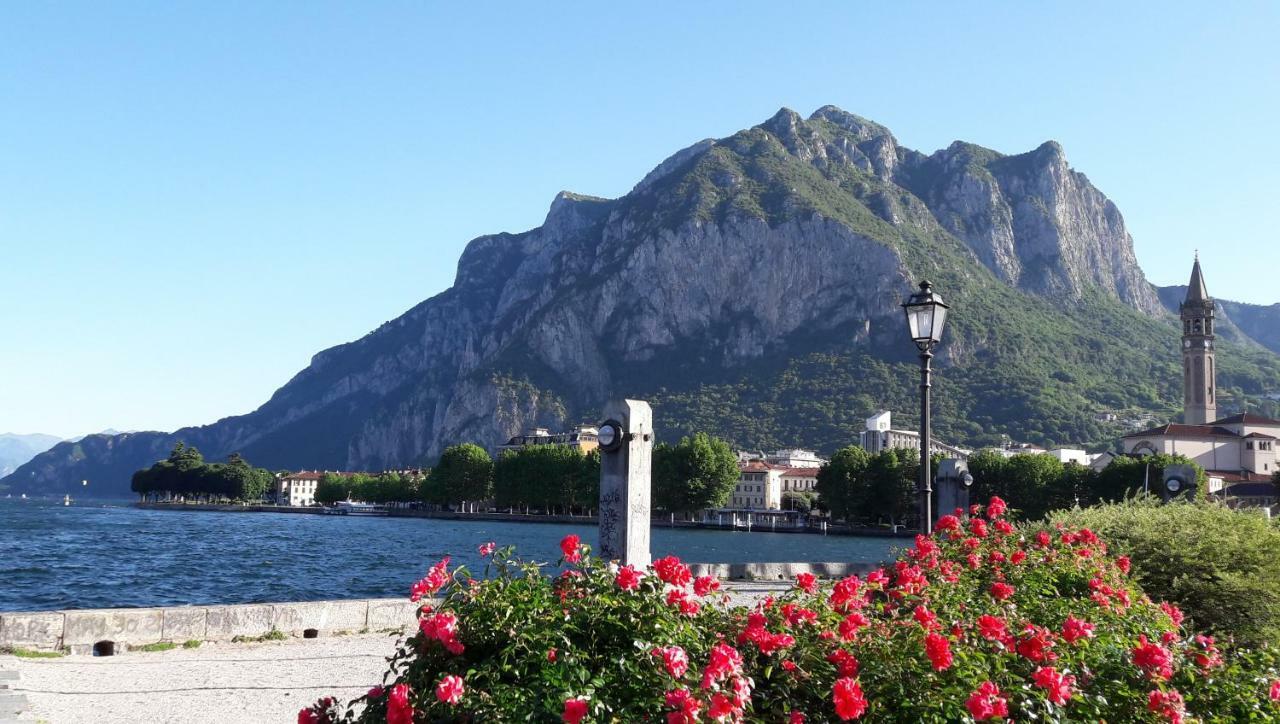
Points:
(729, 253)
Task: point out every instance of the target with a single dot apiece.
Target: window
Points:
(1247, 446)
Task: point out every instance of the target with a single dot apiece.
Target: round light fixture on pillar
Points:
(926, 316)
(610, 435)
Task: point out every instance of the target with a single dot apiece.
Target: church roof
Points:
(1258, 434)
(1246, 418)
(1196, 291)
(1175, 429)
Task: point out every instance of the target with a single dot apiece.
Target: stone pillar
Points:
(625, 485)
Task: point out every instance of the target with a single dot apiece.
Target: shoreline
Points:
(557, 518)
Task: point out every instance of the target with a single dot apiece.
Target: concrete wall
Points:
(80, 630)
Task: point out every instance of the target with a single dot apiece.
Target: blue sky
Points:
(197, 197)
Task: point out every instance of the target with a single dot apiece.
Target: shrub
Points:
(1221, 566)
(977, 622)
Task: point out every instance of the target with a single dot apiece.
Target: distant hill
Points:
(749, 286)
(1256, 322)
(17, 449)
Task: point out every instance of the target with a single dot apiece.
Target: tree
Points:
(842, 482)
(892, 478)
(698, 472)
(331, 488)
(1128, 475)
(797, 500)
(465, 472)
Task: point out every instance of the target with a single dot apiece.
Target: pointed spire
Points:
(1196, 291)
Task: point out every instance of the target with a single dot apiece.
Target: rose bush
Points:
(980, 622)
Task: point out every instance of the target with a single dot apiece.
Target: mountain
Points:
(17, 449)
(1246, 322)
(748, 286)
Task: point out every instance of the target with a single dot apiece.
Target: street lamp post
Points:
(926, 316)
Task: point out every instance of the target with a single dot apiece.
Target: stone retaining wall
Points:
(79, 630)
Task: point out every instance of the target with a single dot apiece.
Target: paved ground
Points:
(224, 683)
(267, 682)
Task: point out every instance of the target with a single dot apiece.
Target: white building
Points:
(759, 486)
(298, 489)
(880, 436)
(1072, 455)
(795, 458)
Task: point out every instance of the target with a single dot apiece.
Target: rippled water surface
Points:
(97, 555)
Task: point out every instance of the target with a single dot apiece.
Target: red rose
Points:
(676, 660)
(996, 508)
(628, 578)
(806, 582)
(1274, 693)
(575, 710)
(1057, 686)
(938, 649)
(1001, 590)
(569, 547)
(846, 663)
(702, 585)
(992, 628)
(926, 618)
(987, 703)
(1154, 660)
(1074, 629)
(850, 625)
(671, 570)
(1167, 704)
(948, 522)
(449, 690)
(399, 711)
(848, 698)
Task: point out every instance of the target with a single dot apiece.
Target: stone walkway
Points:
(226, 683)
(12, 703)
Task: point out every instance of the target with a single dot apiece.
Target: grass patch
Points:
(274, 634)
(30, 653)
(192, 644)
(157, 646)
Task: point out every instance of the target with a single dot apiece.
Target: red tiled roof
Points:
(755, 466)
(1246, 418)
(1187, 430)
(1258, 434)
(800, 473)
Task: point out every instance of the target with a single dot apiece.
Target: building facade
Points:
(1237, 452)
(759, 486)
(880, 436)
(298, 489)
(584, 437)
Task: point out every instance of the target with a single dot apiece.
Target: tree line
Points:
(698, 472)
(186, 474)
(387, 487)
(866, 489)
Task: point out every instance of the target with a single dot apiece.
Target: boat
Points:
(346, 507)
(66, 500)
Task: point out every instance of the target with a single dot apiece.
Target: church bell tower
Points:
(1200, 390)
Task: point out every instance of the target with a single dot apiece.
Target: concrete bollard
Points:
(626, 461)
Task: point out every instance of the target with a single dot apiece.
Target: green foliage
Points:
(798, 500)
(919, 641)
(465, 472)
(547, 477)
(1221, 566)
(387, 487)
(1035, 485)
(868, 489)
(153, 647)
(192, 644)
(696, 473)
(25, 653)
(185, 473)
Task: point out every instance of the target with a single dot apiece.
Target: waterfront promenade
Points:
(218, 682)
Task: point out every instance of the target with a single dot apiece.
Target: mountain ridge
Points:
(733, 276)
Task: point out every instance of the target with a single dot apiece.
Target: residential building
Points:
(1072, 455)
(583, 437)
(759, 486)
(799, 479)
(298, 489)
(880, 435)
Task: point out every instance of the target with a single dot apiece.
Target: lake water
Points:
(103, 555)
